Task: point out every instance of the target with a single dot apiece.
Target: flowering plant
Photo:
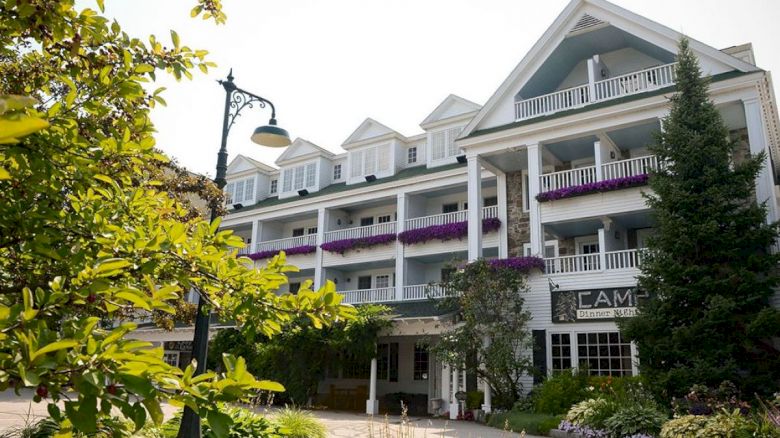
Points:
(344, 245)
(455, 230)
(598, 186)
(303, 249)
(523, 264)
(581, 430)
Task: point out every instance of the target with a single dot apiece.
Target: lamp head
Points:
(271, 135)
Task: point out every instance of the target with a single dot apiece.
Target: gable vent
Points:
(585, 22)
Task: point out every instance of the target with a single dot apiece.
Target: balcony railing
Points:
(631, 167)
(423, 292)
(567, 178)
(377, 295)
(613, 260)
(448, 218)
(624, 85)
(358, 232)
(287, 243)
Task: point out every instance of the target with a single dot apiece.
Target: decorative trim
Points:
(596, 187)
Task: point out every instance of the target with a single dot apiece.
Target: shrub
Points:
(635, 419)
(685, 426)
(593, 412)
(560, 391)
(297, 423)
(474, 399)
(535, 424)
(246, 424)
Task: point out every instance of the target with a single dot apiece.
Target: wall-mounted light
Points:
(338, 221)
(348, 279)
(350, 221)
(612, 154)
(335, 281)
(370, 178)
(617, 234)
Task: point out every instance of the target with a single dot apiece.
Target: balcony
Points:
(611, 260)
(417, 292)
(287, 243)
(360, 232)
(600, 91)
(590, 174)
(448, 218)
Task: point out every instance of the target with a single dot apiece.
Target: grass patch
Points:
(534, 424)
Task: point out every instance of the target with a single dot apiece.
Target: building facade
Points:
(552, 166)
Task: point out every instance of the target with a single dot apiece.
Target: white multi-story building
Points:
(579, 109)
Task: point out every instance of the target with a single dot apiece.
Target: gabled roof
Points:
(243, 163)
(301, 149)
(450, 107)
(368, 130)
(578, 17)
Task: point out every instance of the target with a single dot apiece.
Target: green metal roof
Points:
(606, 103)
(343, 187)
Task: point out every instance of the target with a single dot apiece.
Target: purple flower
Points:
(523, 264)
(455, 230)
(599, 186)
(303, 249)
(344, 245)
(583, 431)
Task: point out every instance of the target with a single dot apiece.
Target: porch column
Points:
(322, 224)
(599, 161)
(446, 374)
(372, 404)
(257, 228)
(534, 173)
(400, 262)
(602, 249)
(475, 208)
(756, 136)
(454, 405)
(503, 242)
(487, 404)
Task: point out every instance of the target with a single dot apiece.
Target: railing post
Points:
(602, 250)
(599, 161)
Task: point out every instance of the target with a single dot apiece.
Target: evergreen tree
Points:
(708, 270)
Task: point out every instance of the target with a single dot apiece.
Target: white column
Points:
(602, 249)
(257, 227)
(599, 161)
(446, 375)
(475, 208)
(503, 240)
(372, 404)
(454, 406)
(487, 404)
(765, 183)
(322, 224)
(593, 64)
(400, 262)
(534, 173)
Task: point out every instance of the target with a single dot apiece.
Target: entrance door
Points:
(589, 263)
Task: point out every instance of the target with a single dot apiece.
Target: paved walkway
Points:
(16, 411)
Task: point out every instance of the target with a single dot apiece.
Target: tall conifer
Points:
(708, 270)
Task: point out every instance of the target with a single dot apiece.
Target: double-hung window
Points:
(241, 191)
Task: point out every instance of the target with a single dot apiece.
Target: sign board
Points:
(594, 304)
(178, 345)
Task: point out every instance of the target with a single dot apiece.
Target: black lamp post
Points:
(270, 135)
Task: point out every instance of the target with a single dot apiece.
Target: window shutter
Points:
(229, 190)
(298, 178)
(287, 178)
(370, 161)
(249, 190)
(384, 157)
(437, 145)
(452, 134)
(239, 195)
(311, 174)
(356, 164)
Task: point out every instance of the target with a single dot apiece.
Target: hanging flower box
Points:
(344, 245)
(596, 187)
(455, 230)
(303, 249)
(522, 264)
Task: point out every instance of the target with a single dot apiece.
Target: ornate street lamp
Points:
(269, 135)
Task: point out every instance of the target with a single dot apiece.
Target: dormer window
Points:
(337, 172)
(241, 191)
(411, 155)
(299, 178)
(370, 161)
(274, 186)
(443, 143)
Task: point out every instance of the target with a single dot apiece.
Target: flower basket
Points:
(444, 232)
(344, 245)
(596, 187)
(303, 249)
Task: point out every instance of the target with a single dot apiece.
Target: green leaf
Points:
(268, 385)
(83, 413)
(144, 68)
(137, 385)
(219, 423)
(153, 406)
(135, 298)
(54, 346)
(175, 38)
(111, 266)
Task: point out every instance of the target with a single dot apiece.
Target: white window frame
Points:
(379, 218)
(384, 277)
(247, 190)
(411, 155)
(337, 172)
(553, 243)
(581, 241)
(575, 359)
(172, 353)
(273, 186)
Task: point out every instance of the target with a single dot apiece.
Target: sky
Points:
(327, 65)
